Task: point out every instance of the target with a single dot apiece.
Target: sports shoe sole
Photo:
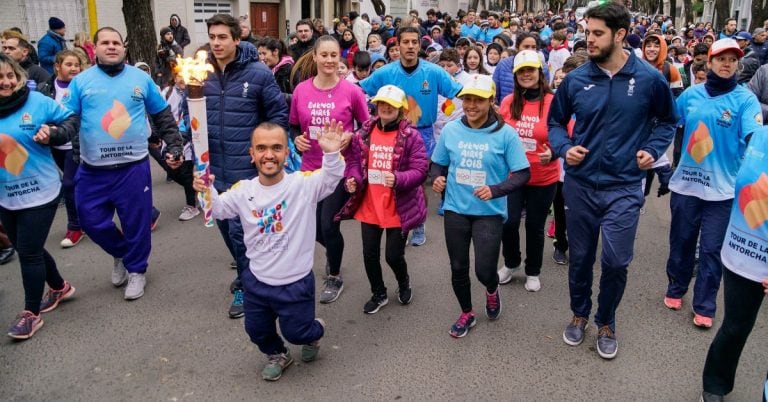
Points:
(29, 335)
(405, 302)
(122, 281)
(327, 301)
(572, 343)
(281, 374)
(65, 296)
(607, 356)
(673, 306)
(384, 303)
(465, 332)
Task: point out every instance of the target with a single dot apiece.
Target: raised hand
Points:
(331, 137)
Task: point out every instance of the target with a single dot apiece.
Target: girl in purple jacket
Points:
(393, 166)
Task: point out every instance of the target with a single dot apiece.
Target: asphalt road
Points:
(177, 343)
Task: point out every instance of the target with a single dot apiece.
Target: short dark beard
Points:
(604, 54)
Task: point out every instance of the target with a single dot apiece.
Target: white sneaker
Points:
(532, 284)
(119, 274)
(505, 274)
(135, 288)
(188, 213)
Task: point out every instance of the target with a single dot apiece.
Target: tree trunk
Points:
(759, 14)
(141, 35)
(688, 6)
(673, 10)
(723, 11)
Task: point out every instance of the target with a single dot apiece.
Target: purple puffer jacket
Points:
(409, 164)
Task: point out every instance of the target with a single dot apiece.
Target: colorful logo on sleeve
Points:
(700, 145)
(448, 107)
(753, 202)
(270, 220)
(116, 120)
(13, 156)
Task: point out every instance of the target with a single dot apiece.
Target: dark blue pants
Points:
(127, 191)
(742, 298)
(232, 232)
(691, 215)
(27, 229)
(293, 304)
(484, 233)
(590, 213)
(68, 168)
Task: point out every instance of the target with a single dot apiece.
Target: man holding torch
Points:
(240, 94)
(112, 100)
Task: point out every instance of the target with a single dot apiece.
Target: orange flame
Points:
(194, 71)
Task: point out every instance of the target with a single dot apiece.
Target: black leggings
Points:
(742, 298)
(28, 229)
(328, 232)
(484, 232)
(394, 254)
(536, 201)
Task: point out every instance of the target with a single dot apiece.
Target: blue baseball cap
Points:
(743, 36)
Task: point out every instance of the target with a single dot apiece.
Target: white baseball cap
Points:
(392, 95)
(724, 45)
(526, 58)
(478, 85)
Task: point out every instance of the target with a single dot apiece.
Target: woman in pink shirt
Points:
(315, 102)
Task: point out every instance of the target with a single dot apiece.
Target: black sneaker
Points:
(405, 295)
(574, 332)
(710, 397)
(236, 309)
(607, 345)
(376, 302)
(559, 257)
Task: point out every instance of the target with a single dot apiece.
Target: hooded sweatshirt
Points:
(673, 75)
(180, 33)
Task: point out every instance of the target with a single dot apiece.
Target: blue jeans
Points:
(293, 305)
(590, 213)
(484, 233)
(691, 215)
(27, 229)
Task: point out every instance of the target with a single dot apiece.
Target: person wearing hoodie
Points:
(167, 50)
(274, 54)
(180, 33)
(51, 43)
(655, 53)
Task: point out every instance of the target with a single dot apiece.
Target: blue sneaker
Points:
(607, 345)
(492, 304)
(574, 332)
(461, 327)
(236, 310)
(419, 236)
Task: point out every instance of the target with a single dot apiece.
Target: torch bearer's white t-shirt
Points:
(279, 220)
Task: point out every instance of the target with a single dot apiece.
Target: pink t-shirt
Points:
(312, 107)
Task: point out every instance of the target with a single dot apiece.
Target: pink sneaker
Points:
(551, 230)
(702, 321)
(672, 303)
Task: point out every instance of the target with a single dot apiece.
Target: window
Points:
(36, 14)
(205, 10)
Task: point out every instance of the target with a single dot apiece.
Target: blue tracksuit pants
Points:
(292, 304)
(691, 216)
(127, 191)
(590, 213)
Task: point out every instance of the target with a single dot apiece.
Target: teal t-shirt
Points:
(421, 87)
(745, 247)
(475, 158)
(714, 141)
(113, 114)
(29, 175)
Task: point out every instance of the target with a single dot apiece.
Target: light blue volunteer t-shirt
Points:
(475, 158)
(113, 114)
(29, 175)
(745, 248)
(714, 141)
(421, 88)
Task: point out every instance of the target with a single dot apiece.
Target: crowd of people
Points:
(510, 118)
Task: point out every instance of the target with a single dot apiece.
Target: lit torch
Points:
(193, 72)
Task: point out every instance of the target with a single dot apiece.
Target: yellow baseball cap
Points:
(526, 58)
(392, 95)
(478, 85)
